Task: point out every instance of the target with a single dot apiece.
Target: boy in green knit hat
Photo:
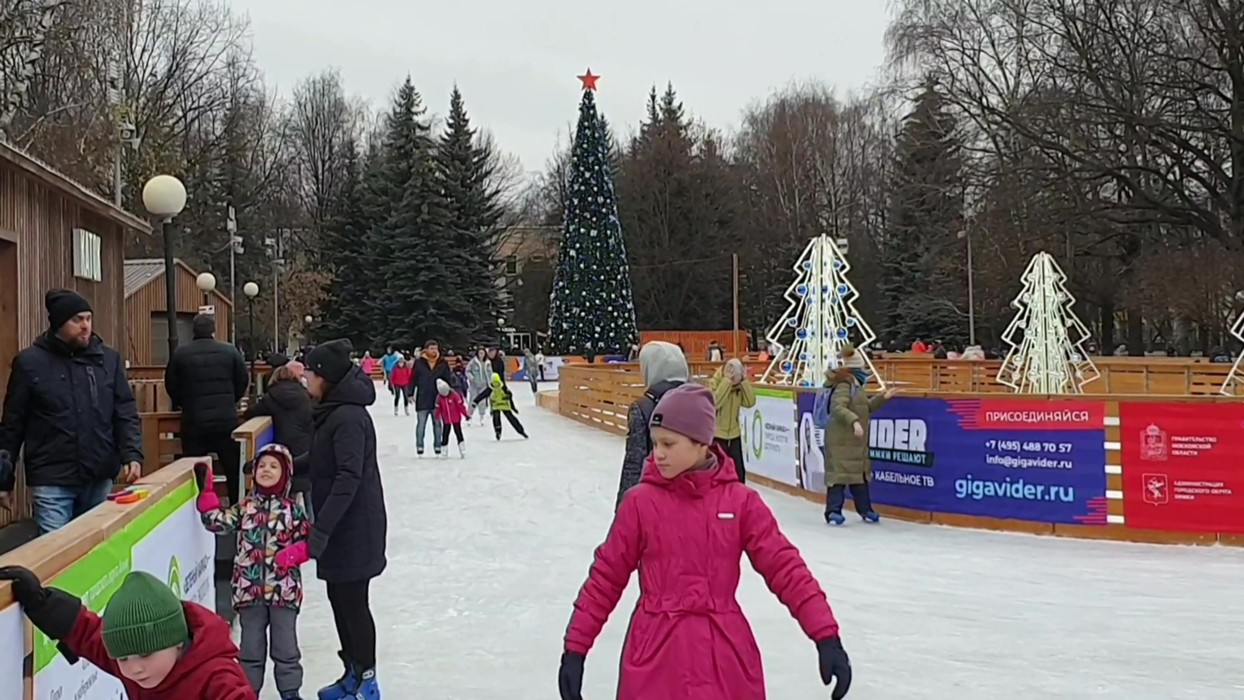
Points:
(159, 647)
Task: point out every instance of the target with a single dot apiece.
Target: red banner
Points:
(1183, 466)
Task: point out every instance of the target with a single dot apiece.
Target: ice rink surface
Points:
(487, 553)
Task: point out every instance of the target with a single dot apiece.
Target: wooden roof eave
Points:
(59, 182)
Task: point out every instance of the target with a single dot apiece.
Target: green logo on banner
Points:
(174, 576)
(757, 434)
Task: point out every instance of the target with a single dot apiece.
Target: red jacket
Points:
(208, 670)
(688, 638)
(451, 408)
(402, 375)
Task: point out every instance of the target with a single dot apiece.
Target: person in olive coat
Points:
(347, 540)
(844, 412)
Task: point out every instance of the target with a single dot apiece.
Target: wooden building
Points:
(56, 233)
(146, 319)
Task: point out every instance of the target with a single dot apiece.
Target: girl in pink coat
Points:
(450, 410)
(686, 526)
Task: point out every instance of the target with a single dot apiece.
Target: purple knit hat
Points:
(689, 410)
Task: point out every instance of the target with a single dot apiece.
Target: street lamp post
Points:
(206, 282)
(306, 328)
(164, 197)
(251, 290)
(966, 234)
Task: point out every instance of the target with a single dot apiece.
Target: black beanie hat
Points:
(62, 305)
(331, 360)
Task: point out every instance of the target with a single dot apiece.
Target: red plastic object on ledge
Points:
(127, 496)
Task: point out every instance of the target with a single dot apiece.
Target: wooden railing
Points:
(161, 446)
(51, 554)
(147, 384)
(600, 396)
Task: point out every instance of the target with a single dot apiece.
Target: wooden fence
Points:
(600, 396)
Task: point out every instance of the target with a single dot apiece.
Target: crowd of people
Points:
(684, 514)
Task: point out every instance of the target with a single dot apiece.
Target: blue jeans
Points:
(55, 506)
(421, 424)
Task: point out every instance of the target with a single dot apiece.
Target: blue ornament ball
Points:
(842, 332)
(788, 366)
(802, 290)
(802, 333)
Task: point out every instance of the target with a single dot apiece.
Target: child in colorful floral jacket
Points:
(267, 582)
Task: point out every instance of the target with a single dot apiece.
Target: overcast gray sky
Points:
(516, 62)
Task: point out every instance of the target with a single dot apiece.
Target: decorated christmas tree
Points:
(592, 311)
(820, 321)
(1047, 340)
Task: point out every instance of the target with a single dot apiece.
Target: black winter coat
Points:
(638, 437)
(74, 412)
(206, 379)
(289, 406)
(350, 520)
(498, 365)
(426, 375)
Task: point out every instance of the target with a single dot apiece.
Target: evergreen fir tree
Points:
(345, 312)
(592, 310)
(417, 260)
(466, 169)
(924, 285)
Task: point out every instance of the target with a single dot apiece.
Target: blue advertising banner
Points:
(1041, 461)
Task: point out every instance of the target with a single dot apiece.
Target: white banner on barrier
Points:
(169, 542)
(11, 637)
(770, 448)
(180, 551)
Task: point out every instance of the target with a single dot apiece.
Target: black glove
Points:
(834, 664)
(570, 676)
(54, 612)
(316, 543)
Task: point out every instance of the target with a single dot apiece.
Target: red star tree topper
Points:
(589, 80)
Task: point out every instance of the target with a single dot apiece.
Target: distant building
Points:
(146, 310)
(527, 261)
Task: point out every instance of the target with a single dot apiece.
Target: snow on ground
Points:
(487, 553)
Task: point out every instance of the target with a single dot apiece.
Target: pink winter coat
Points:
(451, 408)
(688, 638)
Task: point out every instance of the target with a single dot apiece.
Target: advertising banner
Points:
(167, 541)
(12, 642)
(811, 444)
(1039, 461)
(1182, 466)
(770, 446)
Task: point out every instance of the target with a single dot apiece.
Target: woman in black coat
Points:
(348, 538)
(289, 405)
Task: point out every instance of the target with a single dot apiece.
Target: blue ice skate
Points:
(369, 687)
(871, 516)
(834, 519)
(345, 687)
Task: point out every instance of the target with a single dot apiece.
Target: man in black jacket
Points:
(69, 403)
(205, 379)
(429, 367)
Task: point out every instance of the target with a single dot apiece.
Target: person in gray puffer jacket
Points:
(663, 366)
(479, 378)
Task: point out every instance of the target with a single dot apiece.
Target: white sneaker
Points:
(462, 450)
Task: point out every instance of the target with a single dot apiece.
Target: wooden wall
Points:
(40, 220)
(151, 300)
(39, 209)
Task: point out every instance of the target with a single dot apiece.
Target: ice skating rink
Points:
(486, 554)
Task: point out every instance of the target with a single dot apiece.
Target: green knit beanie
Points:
(144, 616)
